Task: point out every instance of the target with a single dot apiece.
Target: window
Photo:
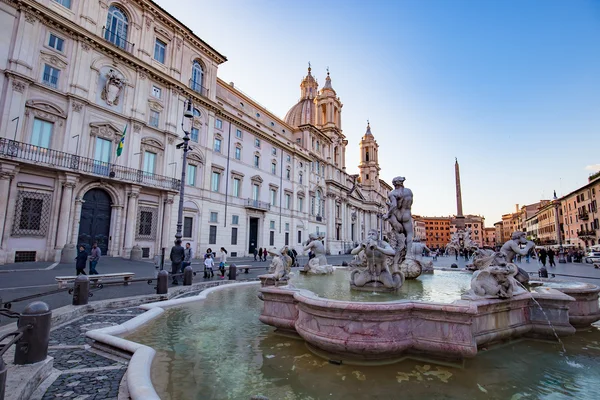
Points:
(145, 223)
(273, 197)
(235, 219)
(214, 216)
(288, 201)
(287, 174)
(218, 124)
(212, 235)
(272, 238)
(300, 203)
(196, 113)
(255, 191)
(154, 118)
(42, 133)
(257, 143)
(51, 75)
(299, 236)
(217, 146)
(187, 226)
(337, 211)
(194, 135)
(149, 162)
(274, 151)
(236, 187)
(190, 175)
(271, 224)
(216, 178)
(256, 160)
(287, 238)
(273, 168)
(288, 158)
(65, 3)
(102, 151)
(159, 51)
(55, 42)
(300, 178)
(116, 27)
(234, 233)
(272, 123)
(257, 115)
(156, 92)
(197, 77)
(238, 153)
(31, 214)
(238, 133)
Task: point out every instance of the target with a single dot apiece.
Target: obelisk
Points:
(460, 219)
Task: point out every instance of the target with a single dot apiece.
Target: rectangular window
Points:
(149, 162)
(238, 153)
(300, 203)
(212, 235)
(257, 143)
(236, 187)
(145, 226)
(194, 135)
(42, 133)
(273, 197)
(190, 175)
(238, 133)
(235, 219)
(187, 226)
(156, 91)
(272, 238)
(217, 146)
(214, 216)
(256, 161)
(55, 42)
(159, 51)
(337, 211)
(274, 151)
(288, 158)
(287, 174)
(271, 224)
(102, 151)
(300, 178)
(51, 76)
(234, 235)
(218, 124)
(255, 192)
(31, 214)
(216, 178)
(287, 238)
(299, 236)
(287, 226)
(154, 118)
(65, 3)
(288, 201)
(273, 168)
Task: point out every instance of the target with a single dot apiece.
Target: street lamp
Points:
(561, 251)
(188, 114)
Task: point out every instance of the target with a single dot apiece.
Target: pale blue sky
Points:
(511, 88)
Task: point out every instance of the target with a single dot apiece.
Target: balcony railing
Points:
(584, 216)
(117, 40)
(10, 149)
(586, 233)
(258, 205)
(198, 88)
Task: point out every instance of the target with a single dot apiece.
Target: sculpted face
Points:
(398, 181)
(373, 234)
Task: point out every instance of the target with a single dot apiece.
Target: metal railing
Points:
(586, 233)
(117, 40)
(198, 88)
(42, 156)
(258, 205)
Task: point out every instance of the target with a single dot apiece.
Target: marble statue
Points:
(399, 211)
(414, 265)
(376, 276)
(318, 264)
(279, 269)
(512, 248)
(112, 88)
(461, 240)
(416, 252)
(494, 281)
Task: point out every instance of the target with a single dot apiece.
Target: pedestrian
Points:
(255, 253)
(543, 255)
(177, 256)
(222, 261)
(188, 254)
(265, 254)
(81, 260)
(206, 254)
(551, 257)
(94, 258)
(208, 265)
(260, 253)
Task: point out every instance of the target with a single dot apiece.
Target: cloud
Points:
(593, 167)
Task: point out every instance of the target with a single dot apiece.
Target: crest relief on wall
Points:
(113, 88)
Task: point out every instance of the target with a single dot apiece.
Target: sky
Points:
(509, 87)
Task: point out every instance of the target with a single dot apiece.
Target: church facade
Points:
(80, 78)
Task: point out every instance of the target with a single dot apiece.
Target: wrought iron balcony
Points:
(117, 40)
(25, 152)
(198, 88)
(586, 233)
(258, 205)
(584, 216)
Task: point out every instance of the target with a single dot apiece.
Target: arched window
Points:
(116, 27)
(197, 77)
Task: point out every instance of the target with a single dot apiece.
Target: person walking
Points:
(222, 261)
(255, 253)
(188, 254)
(260, 253)
(551, 257)
(543, 255)
(177, 256)
(265, 254)
(208, 265)
(81, 260)
(94, 258)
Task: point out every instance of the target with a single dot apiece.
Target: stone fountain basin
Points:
(362, 332)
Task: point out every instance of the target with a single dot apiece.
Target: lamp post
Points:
(561, 251)
(188, 114)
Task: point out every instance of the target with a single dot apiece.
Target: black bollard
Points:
(232, 272)
(188, 276)
(33, 345)
(454, 265)
(162, 282)
(81, 290)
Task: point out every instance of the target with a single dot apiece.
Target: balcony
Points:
(198, 88)
(257, 205)
(584, 216)
(117, 40)
(586, 234)
(27, 153)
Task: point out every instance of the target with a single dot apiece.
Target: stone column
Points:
(130, 221)
(69, 251)
(76, 218)
(167, 238)
(116, 215)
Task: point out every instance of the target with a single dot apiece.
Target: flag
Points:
(121, 142)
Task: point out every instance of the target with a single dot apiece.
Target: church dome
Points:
(303, 112)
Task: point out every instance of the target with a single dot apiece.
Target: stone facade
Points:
(579, 219)
(78, 81)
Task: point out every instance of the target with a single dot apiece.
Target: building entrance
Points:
(253, 242)
(94, 224)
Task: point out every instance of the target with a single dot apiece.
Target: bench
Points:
(245, 267)
(64, 280)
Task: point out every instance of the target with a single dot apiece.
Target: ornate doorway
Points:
(94, 224)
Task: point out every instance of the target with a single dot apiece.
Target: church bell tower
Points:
(369, 160)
